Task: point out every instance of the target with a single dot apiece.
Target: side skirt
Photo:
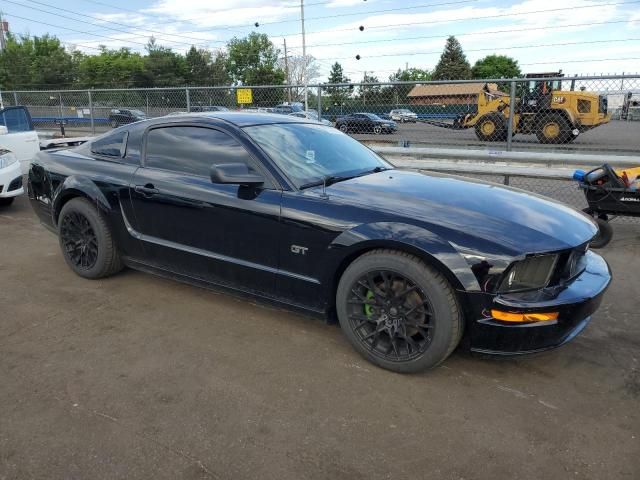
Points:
(224, 288)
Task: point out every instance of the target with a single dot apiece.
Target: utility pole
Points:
(2, 30)
(304, 59)
(364, 89)
(286, 70)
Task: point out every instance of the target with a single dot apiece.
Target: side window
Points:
(15, 119)
(192, 150)
(110, 146)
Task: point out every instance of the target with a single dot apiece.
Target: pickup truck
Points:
(18, 145)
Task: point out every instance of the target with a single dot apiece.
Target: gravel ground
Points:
(138, 377)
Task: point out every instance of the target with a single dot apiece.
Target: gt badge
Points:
(298, 250)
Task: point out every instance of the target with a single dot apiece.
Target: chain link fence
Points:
(577, 114)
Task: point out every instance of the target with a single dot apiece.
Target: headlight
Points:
(7, 158)
(529, 274)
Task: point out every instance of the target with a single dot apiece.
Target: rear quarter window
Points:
(113, 146)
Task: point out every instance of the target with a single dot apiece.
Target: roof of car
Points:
(244, 119)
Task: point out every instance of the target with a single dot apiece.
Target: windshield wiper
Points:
(326, 181)
(331, 179)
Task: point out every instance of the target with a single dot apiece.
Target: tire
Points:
(114, 123)
(377, 129)
(554, 128)
(402, 120)
(491, 127)
(363, 312)
(604, 235)
(97, 255)
(5, 202)
(343, 128)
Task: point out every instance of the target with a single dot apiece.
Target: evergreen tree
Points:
(453, 64)
(338, 95)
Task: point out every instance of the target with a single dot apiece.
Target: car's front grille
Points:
(15, 184)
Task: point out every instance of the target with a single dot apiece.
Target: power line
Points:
(94, 18)
(457, 20)
(492, 48)
(464, 34)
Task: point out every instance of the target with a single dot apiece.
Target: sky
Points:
(577, 36)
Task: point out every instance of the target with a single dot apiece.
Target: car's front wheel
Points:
(398, 312)
(114, 123)
(86, 241)
(377, 129)
(343, 128)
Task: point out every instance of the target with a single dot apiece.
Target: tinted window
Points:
(192, 150)
(15, 119)
(111, 145)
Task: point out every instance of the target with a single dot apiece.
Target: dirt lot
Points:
(138, 377)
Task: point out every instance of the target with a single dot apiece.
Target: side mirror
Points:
(3, 130)
(234, 173)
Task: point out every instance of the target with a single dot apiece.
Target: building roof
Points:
(442, 89)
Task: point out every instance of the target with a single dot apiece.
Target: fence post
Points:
(319, 103)
(512, 107)
(15, 98)
(91, 119)
(188, 99)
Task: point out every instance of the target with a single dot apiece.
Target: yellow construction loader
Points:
(541, 108)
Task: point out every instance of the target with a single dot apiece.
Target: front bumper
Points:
(575, 305)
(11, 181)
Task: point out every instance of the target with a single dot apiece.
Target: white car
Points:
(19, 136)
(18, 145)
(10, 174)
(310, 115)
(403, 115)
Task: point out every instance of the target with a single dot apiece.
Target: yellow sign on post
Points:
(244, 95)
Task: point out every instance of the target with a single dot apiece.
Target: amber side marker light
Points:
(524, 317)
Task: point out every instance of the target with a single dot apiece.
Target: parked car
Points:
(365, 123)
(287, 108)
(19, 137)
(304, 215)
(123, 116)
(403, 115)
(208, 108)
(311, 115)
(10, 175)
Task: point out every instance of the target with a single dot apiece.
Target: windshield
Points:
(138, 113)
(372, 116)
(307, 153)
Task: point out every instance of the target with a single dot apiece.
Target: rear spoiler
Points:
(63, 142)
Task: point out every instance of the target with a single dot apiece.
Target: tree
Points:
(253, 60)
(298, 64)
(453, 64)
(35, 62)
(338, 95)
(496, 66)
(163, 67)
(410, 75)
(110, 69)
(370, 91)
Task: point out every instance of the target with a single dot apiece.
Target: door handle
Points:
(146, 190)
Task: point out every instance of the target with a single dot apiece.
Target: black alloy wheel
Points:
(391, 315)
(86, 241)
(398, 312)
(79, 241)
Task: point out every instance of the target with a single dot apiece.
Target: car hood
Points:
(463, 210)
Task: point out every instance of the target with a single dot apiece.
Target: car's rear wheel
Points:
(86, 241)
(114, 123)
(398, 312)
(5, 202)
(343, 128)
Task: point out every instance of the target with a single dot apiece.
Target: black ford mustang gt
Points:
(302, 214)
